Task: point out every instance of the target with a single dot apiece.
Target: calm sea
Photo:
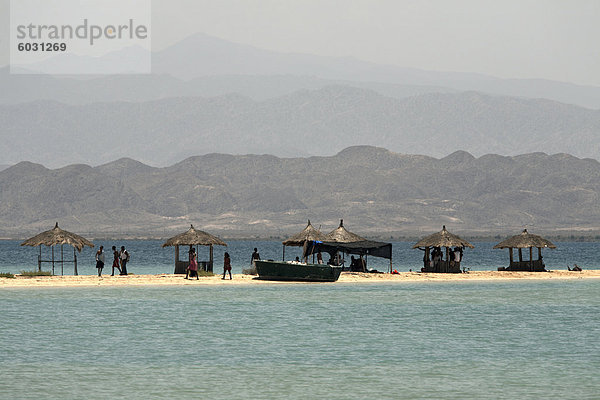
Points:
(484, 340)
(148, 257)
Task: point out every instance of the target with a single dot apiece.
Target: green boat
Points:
(287, 271)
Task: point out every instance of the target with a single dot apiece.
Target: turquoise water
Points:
(486, 340)
(148, 257)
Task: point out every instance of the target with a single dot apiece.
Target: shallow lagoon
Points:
(491, 340)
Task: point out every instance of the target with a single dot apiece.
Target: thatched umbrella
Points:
(342, 235)
(310, 233)
(523, 241)
(60, 237)
(442, 238)
(193, 237)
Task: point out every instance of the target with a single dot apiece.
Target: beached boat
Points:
(289, 271)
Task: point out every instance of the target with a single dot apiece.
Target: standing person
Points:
(100, 260)
(115, 261)
(255, 256)
(226, 265)
(319, 258)
(192, 268)
(124, 256)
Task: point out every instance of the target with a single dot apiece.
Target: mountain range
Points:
(378, 193)
(307, 122)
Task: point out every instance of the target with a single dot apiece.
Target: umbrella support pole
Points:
(62, 261)
(52, 260)
(40, 259)
(283, 257)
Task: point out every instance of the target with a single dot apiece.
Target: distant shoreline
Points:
(346, 277)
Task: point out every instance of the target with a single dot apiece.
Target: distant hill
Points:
(307, 122)
(378, 193)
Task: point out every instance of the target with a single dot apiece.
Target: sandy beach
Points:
(346, 277)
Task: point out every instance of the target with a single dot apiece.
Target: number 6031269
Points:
(42, 46)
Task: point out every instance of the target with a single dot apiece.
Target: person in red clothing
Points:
(192, 269)
(226, 265)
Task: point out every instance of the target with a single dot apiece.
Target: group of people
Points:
(192, 269)
(437, 255)
(120, 260)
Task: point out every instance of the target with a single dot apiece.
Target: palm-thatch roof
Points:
(443, 239)
(341, 235)
(194, 237)
(525, 240)
(58, 236)
(309, 233)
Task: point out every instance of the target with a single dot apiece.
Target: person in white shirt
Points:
(124, 255)
(100, 260)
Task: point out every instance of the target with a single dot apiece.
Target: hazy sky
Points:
(551, 39)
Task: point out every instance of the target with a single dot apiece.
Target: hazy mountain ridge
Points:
(201, 65)
(375, 190)
(307, 122)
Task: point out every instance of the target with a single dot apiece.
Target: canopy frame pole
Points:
(40, 259)
(510, 255)
(520, 255)
(283, 257)
(52, 260)
(211, 258)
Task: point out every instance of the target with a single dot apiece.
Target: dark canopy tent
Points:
(360, 248)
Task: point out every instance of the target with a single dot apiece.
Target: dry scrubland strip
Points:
(346, 277)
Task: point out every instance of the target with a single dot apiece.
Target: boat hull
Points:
(282, 271)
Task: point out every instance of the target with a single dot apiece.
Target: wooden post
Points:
(531, 258)
(447, 260)
(62, 261)
(539, 253)
(210, 263)
(52, 260)
(176, 256)
(283, 257)
(75, 262)
(510, 254)
(520, 255)
(40, 259)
